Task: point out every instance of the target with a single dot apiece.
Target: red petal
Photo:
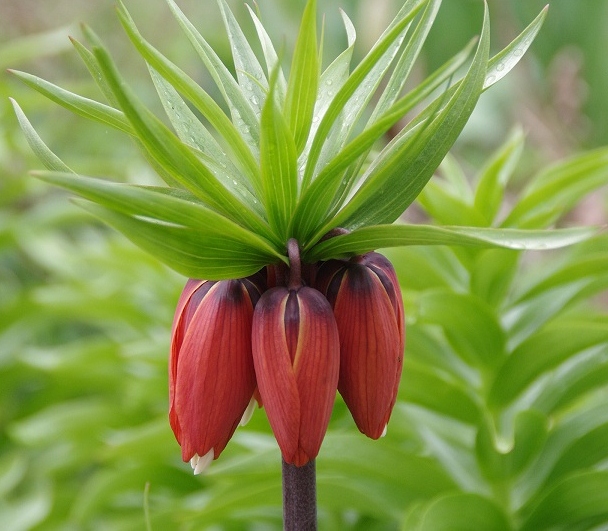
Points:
(316, 365)
(370, 349)
(273, 369)
(296, 355)
(215, 378)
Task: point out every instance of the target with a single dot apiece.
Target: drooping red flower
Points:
(211, 374)
(296, 356)
(366, 300)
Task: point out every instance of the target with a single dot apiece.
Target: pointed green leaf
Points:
(194, 254)
(460, 512)
(558, 188)
(303, 78)
(175, 156)
(279, 165)
(199, 98)
(90, 109)
(165, 206)
(240, 108)
(504, 61)
(542, 352)
(92, 65)
(46, 156)
(193, 133)
(271, 57)
(404, 167)
(330, 186)
(362, 81)
(494, 177)
(404, 66)
(249, 72)
(579, 499)
(369, 238)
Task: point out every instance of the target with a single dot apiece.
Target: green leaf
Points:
(249, 72)
(240, 108)
(363, 81)
(271, 57)
(168, 210)
(402, 70)
(437, 391)
(586, 451)
(541, 353)
(579, 499)
(46, 156)
(367, 239)
(494, 177)
(459, 512)
(191, 252)
(469, 325)
(558, 188)
(505, 60)
(303, 78)
(90, 109)
(193, 133)
(175, 156)
(199, 98)
(328, 189)
(492, 274)
(502, 457)
(404, 167)
(279, 165)
(92, 65)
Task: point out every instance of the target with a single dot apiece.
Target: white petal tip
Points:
(200, 464)
(384, 431)
(248, 412)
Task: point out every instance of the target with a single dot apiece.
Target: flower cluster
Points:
(286, 340)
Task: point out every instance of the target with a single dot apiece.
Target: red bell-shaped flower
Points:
(211, 374)
(368, 307)
(296, 355)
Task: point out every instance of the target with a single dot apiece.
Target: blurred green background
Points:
(85, 316)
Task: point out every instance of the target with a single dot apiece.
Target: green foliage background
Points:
(502, 420)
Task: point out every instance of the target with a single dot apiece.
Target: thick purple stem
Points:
(299, 497)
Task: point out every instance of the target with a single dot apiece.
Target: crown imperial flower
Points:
(296, 356)
(368, 307)
(211, 374)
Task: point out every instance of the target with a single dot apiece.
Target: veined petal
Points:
(296, 356)
(316, 367)
(180, 323)
(214, 378)
(370, 349)
(274, 370)
(368, 307)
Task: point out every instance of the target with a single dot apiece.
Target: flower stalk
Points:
(299, 497)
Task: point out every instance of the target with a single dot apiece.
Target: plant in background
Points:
(278, 204)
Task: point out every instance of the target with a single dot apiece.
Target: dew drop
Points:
(254, 100)
(329, 82)
(330, 93)
(315, 119)
(500, 67)
(518, 52)
(491, 79)
(234, 182)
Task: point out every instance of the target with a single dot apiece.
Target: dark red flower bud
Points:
(296, 356)
(211, 374)
(368, 307)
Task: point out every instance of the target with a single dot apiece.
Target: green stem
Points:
(299, 497)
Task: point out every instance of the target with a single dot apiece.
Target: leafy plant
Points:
(293, 160)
